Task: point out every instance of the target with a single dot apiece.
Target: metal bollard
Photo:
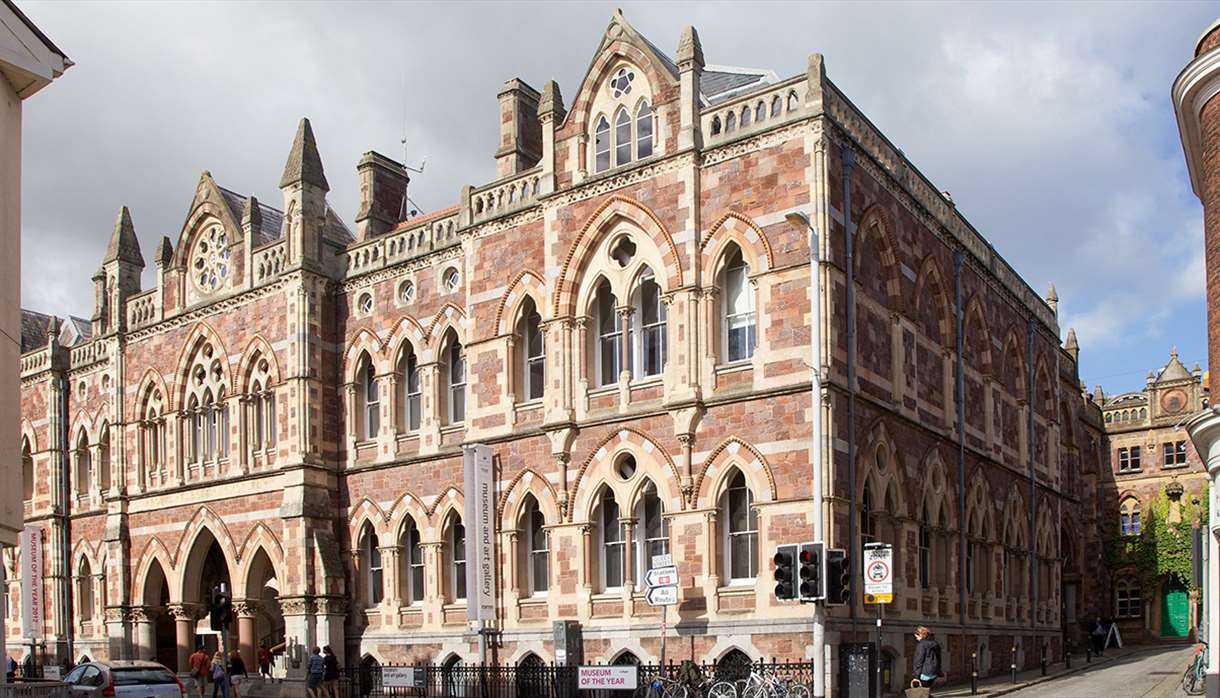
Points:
(1013, 665)
(1045, 646)
(1088, 654)
(1067, 657)
(974, 674)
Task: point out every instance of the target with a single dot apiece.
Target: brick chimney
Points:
(383, 195)
(520, 133)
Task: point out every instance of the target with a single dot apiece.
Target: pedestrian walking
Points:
(315, 672)
(330, 672)
(237, 672)
(198, 663)
(926, 666)
(1098, 636)
(264, 660)
(220, 682)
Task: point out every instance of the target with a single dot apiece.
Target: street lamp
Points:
(800, 221)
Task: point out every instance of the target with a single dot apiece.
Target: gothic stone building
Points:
(623, 316)
(1154, 470)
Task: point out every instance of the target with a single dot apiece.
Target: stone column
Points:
(185, 617)
(332, 612)
(246, 611)
(897, 376)
(624, 374)
(144, 644)
(299, 633)
(627, 524)
(118, 629)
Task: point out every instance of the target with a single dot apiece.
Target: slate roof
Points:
(1174, 370)
(35, 325)
(719, 83)
(272, 222)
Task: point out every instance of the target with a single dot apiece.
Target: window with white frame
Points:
(1129, 517)
(538, 567)
(532, 363)
(408, 385)
(457, 560)
(371, 549)
(601, 145)
(451, 280)
(369, 399)
(622, 137)
(739, 323)
(653, 529)
(647, 327)
(612, 540)
(1128, 603)
(1174, 453)
(1128, 459)
(609, 336)
(455, 379)
(411, 563)
(643, 130)
(740, 540)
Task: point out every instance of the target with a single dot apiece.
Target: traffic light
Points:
(809, 572)
(785, 571)
(220, 609)
(838, 577)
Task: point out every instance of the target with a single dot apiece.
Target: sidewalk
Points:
(1002, 684)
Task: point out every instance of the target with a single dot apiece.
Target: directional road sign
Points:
(662, 596)
(662, 577)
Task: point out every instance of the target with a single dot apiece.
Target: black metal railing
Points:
(550, 681)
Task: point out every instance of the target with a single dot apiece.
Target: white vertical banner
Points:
(480, 522)
(31, 583)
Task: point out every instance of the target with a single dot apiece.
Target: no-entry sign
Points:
(878, 573)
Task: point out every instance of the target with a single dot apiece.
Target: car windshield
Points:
(137, 676)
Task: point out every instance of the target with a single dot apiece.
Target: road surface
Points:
(1153, 673)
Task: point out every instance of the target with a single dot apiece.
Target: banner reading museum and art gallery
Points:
(31, 582)
(480, 521)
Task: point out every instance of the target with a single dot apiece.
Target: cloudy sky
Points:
(1051, 124)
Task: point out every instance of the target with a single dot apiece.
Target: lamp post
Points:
(800, 221)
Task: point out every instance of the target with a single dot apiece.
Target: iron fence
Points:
(539, 680)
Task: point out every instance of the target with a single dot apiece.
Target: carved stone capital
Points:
(185, 611)
(117, 614)
(296, 605)
(246, 608)
(331, 605)
(142, 614)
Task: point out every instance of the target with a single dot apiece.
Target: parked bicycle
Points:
(763, 683)
(1193, 680)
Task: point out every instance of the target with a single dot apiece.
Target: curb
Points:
(1013, 688)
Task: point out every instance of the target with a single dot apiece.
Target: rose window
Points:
(620, 84)
(210, 263)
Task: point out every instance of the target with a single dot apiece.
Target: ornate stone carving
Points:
(296, 605)
(246, 608)
(331, 605)
(185, 611)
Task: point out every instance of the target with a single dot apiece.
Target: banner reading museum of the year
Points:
(480, 521)
(31, 582)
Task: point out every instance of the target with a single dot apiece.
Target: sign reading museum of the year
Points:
(480, 516)
(31, 582)
(878, 573)
(619, 678)
(402, 677)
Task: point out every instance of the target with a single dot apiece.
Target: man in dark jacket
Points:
(926, 666)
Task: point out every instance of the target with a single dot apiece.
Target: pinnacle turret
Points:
(124, 245)
(304, 164)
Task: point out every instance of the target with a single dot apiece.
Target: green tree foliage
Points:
(1163, 548)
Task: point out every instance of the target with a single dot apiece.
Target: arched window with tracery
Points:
(643, 131)
(925, 549)
(1129, 517)
(370, 550)
(27, 471)
(152, 438)
(368, 399)
(207, 410)
(408, 389)
(868, 517)
(84, 591)
(652, 532)
(738, 319)
(537, 562)
(622, 137)
(601, 145)
(411, 564)
(613, 543)
(454, 367)
(260, 408)
(739, 540)
(607, 336)
(648, 321)
(531, 358)
(84, 465)
(103, 459)
(455, 541)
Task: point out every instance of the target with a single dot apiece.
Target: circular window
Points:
(80, 390)
(620, 84)
(451, 279)
(623, 251)
(366, 304)
(210, 260)
(106, 382)
(406, 292)
(883, 459)
(625, 466)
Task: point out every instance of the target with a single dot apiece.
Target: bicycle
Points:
(762, 683)
(1193, 679)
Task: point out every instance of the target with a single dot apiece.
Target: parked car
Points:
(123, 679)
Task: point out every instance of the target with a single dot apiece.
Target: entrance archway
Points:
(155, 635)
(266, 627)
(206, 568)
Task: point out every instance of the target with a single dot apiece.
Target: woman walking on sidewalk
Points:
(926, 667)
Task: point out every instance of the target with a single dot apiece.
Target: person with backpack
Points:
(926, 667)
(220, 678)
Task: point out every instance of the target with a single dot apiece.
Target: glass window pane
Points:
(643, 131)
(622, 138)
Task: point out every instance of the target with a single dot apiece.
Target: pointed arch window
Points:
(1005, 573)
(27, 471)
(455, 380)
(457, 560)
(538, 569)
(643, 131)
(103, 459)
(740, 540)
(412, 565)
(608, 347)
(84, 465)
(84, 592)
(971, 561)
(1128, 603)
(532, 364)
(868, 518)
(648, 327)
(1129, 517)
(373, 575)
(925, 549)
(152, 441)
(622, 137)
(613, 542)
(653, 536)
(260, 407)
(408, 381)
(739, 327)
(601, 145)
(368, 400)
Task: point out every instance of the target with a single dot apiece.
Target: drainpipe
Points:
(1033, 475)
(960, 392)
(64, 547)
(849, 158)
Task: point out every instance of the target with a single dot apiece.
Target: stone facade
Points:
(623, 317)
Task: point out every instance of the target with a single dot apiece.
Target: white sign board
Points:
(878, 573)
(662, 577)
(662, 596)
(52, 671)
(31, 582)
(480, 521)
(665, 560)
(617, 678)
(402, 677)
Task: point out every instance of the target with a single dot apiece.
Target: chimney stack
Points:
(520, 132)
(383, 195)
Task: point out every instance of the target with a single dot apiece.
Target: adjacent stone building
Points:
(623, 316)
(1154, 472)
